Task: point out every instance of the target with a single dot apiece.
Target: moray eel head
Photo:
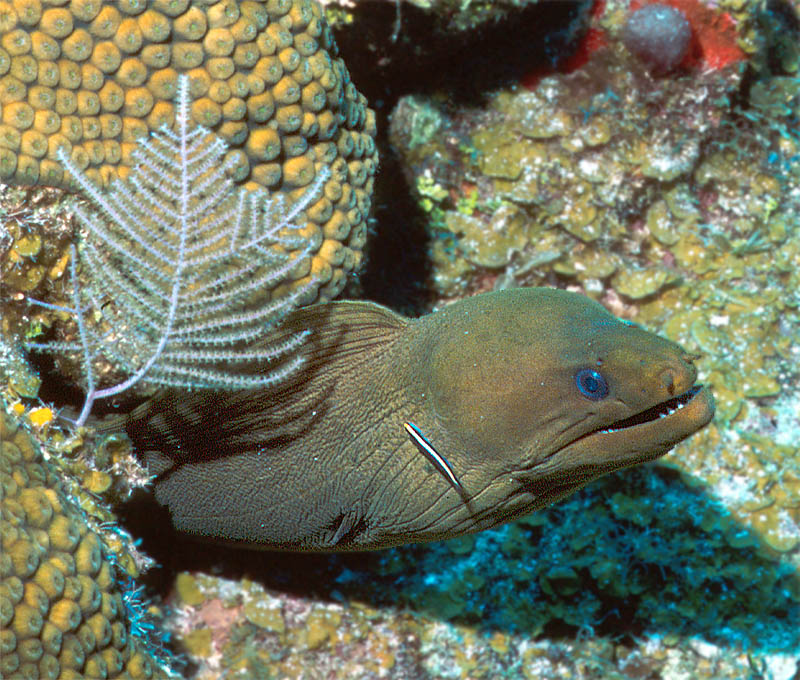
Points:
(550, 390)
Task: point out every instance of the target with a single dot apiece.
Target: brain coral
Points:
(61, 610)
(93, 77)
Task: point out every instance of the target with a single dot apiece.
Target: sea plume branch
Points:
(176, 268)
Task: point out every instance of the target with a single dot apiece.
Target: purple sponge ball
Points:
(659, 35)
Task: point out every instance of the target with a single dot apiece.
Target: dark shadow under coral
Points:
(397, 268)
(465, 65)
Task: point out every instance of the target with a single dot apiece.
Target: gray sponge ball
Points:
(659, 35)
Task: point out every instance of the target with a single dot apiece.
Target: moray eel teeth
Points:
(619, 444)
(662, 410)
(662, 425)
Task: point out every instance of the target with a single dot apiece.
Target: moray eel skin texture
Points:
(523, 395)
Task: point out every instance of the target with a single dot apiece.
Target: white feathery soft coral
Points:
(186, 259)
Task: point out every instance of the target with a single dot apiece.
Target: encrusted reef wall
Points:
(672, 198)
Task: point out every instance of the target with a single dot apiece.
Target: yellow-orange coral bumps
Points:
(92, 77)
(61, 609)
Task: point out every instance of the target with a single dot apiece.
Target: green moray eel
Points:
(522, 396)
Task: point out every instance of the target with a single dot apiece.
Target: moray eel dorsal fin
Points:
(181, 426)
(530, 394)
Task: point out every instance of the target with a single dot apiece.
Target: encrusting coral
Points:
(264, 77)
(92, 78)
(63, 613)
(674, 199)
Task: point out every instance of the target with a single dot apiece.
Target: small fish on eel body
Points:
(401, 430)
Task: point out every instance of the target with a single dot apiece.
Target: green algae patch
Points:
(641, 283)
(264, 615)
(198, 642)
(188, 590)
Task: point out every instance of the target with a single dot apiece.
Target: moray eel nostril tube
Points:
(399, 430)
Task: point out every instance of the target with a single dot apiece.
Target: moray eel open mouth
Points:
(661, 410)
(642, 437)
(650, 433)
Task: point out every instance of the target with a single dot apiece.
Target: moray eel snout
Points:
(399, 430)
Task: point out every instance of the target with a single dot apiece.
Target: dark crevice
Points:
(460, 69)
(464, 66)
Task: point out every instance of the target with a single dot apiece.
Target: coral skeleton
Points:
(175, 264)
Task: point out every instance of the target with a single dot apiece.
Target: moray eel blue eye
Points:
(591, 384)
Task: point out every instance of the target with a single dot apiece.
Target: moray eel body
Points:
(525, 395)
